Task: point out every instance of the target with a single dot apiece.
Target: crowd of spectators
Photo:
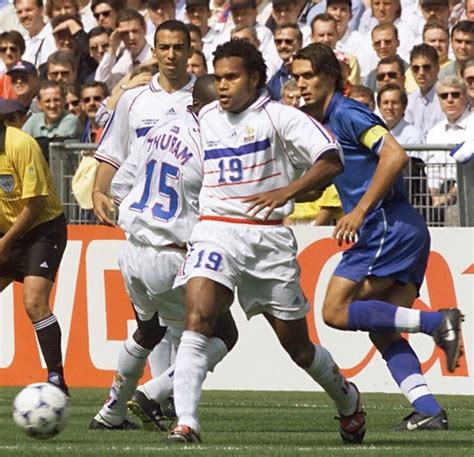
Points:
(67, 62)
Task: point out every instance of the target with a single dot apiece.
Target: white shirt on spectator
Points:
(112, 69)
(406, 133)
(40, 47)
(424, 111)
(213, 38)
(350, 43)
(446, 133)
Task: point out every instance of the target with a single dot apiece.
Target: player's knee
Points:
(330, 315)
(149, 333)
(36, 309)
(226, 330)
(201, 322)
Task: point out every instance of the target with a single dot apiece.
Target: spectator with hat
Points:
(14, 113)
(25, 82)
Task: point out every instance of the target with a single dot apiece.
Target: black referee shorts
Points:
(38, 252)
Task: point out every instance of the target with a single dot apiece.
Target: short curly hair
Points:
(252, 57)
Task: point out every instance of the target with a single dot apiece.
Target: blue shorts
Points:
(393, 242)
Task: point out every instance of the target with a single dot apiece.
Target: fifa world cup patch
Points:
(7, 183)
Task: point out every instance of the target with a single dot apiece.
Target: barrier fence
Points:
(437, 187)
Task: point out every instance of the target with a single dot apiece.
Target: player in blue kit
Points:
(375, 284)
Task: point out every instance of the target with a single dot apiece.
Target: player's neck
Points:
(173, 85)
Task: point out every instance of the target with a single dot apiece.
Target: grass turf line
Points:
(252, 423)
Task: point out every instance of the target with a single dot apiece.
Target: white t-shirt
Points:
(137, 111)
(260, 149)
(159, 182)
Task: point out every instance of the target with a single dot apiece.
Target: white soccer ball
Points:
(41, 410)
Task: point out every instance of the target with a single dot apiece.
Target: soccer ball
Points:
(41, 410)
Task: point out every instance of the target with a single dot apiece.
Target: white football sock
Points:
(161, 388)
(326, 373)
(131, 362)
(160, 357)
(190, 373)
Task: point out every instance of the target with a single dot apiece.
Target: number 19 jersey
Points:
(158, 184)
(263, 148)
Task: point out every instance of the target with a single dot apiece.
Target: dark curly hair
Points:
(252, 57)
(323, 60)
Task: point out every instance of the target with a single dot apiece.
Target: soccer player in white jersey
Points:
(251, 144)
(138, 110)
(157, 188)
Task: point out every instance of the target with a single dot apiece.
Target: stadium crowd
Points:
(67, 63)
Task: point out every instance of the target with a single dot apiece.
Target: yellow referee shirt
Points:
(24, 173)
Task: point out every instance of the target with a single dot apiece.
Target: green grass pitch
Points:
(251, 423)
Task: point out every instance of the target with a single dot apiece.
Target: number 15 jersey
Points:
(158, 185)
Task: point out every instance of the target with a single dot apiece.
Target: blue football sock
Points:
(406, 371)
(430, 321)
(372, 316)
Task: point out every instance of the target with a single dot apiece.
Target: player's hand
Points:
(270, 200)
(103, 207)
(347, 227)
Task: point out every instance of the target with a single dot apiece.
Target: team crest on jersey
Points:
(250, 134)
(7, 183)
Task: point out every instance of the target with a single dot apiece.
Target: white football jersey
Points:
(260, 149)
(137, 111)
(158, 184)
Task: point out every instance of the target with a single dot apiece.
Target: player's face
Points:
(425, 72)
(316, 89)
(236, 89)
(172, 54)
(391, 107)
(439, 39)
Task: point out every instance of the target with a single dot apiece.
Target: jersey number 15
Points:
(166, 201)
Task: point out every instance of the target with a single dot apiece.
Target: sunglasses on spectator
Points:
(103, 13)
(95, 98)
(426, 68)
(58, 74)
(96, 47)
(445, 95)
(288, 41)
(5, 48)
(73, 103)
(390, 74)
(23, 77)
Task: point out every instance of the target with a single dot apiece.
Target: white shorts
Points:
(149, 274)
(258, 260)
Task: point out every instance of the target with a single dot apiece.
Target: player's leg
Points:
(342, 311)
(130, 366)
(160, 388)
(319, 364)
(36, 293)
(159, 359)
(205, 300)
(404, 364)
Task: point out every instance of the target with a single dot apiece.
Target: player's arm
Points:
(26, 217)
(392, 160)
(103, 206)
(318, 176)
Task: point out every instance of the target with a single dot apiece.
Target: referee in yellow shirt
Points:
(33, 235)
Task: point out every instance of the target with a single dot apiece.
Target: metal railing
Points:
(451, 204)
